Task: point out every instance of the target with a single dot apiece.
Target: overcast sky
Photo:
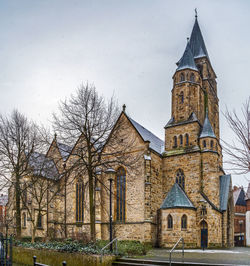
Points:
(126, 48)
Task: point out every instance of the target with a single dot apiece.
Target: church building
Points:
(178, 187)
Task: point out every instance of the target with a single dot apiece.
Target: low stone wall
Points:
(25, 256)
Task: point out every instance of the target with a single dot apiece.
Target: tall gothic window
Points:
(39, 220)
(120, 194)
(204, 144)
(79, 201)
(182, 77)
(180, 178)
(181, 140)
(175, 142)
(181, 96)
(170, 221)
(212, 144)
(186, 139)
(24, 219)
(192, 77)
(184, 221)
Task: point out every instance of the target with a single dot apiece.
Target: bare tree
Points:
(19, 138)
(40, 190)
(89, 121)
(239, 150)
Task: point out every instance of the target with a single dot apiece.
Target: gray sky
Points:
(127, 48)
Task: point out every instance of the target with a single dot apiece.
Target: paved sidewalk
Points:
(235, 256)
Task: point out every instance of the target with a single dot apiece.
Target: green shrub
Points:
(125, 247)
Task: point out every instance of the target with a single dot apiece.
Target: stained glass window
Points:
(79, 201)
(180, 178)
(120, 194)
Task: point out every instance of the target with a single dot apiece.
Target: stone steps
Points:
(139, 262)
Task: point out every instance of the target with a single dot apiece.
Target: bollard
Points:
(34, 260)
(64, 263)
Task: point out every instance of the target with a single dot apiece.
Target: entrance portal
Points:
(204, 234)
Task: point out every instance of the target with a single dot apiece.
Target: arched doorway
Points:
(204, 234)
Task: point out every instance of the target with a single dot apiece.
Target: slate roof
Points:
(43, 166)
(65, 150)
(155, 144)
(176, 198)
(187, 60)
(192, 118)
(197, 43)
(207, 130)
(241, 198)
(224, 191)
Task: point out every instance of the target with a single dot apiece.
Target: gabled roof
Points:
(225, 181)
(43, 166)
(187, 60)
(176, 198)
(241, 198)
(207, 130)
(155, 144)
(65, 150)
(197, 43)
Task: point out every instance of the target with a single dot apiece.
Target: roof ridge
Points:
(155, 142)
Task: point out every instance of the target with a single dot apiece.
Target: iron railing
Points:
(41, 264)
(176, 244)
(111, 242)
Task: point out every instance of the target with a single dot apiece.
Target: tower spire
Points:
(196, 15)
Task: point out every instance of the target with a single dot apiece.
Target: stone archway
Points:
(204, 234)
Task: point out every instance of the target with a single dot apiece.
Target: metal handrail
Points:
(114, 240)
(170, 255)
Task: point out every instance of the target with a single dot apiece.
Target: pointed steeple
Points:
(187, 60)
(207, 130)
(197, 43)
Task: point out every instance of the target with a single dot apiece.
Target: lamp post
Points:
(110, 172)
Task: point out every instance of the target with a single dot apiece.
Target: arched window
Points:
(204, 144)
(170, 221)
(79, 201)
(192, 77)
(186, 139)
(39, 221)
(182, 77)
(175, 142)
(184, 221)
(24, 219)
(180, 178)
(181, 140)
(212, 144)
(120, 194)
(181, 97)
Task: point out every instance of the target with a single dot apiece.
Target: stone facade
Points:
(191, 156)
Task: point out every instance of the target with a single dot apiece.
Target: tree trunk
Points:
(18, 208)
(33, 233)
(92, 207)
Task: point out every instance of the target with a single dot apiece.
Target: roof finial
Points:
(195, 10)
(55, 135)
(124, 108)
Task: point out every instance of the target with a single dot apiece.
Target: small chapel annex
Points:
(179, 187)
